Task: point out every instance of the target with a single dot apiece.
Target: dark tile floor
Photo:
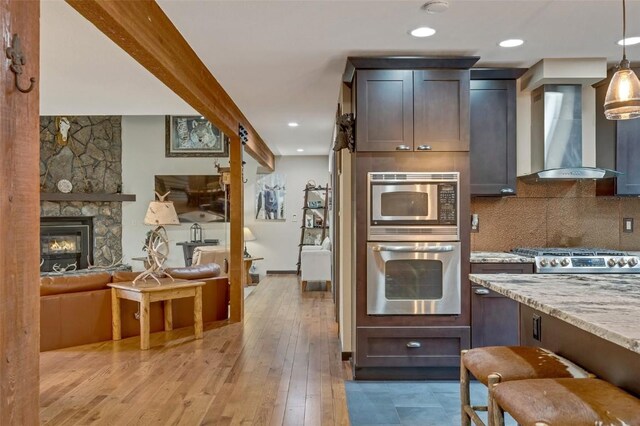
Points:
(410, 403)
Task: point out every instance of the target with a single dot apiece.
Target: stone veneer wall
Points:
(555, 214)
(92, 161)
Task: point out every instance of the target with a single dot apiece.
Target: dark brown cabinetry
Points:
(495, 318)
(441, 110)
(404, 110)
(411, 346)
(385, 110)
(617, 148)
(493, 137)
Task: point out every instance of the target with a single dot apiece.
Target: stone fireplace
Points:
(66, 241)
(91, 159)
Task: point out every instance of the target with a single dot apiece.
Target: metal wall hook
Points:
(17, 60)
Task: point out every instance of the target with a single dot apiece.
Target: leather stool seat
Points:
(519, 363)
(566, 402)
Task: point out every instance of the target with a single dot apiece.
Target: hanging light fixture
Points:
(623, 95)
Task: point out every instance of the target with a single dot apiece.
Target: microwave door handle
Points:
(418, 249)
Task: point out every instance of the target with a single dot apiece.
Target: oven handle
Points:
(416, 249)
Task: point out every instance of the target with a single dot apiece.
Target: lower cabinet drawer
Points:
(410, 346)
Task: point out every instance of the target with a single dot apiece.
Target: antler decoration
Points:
(17, 60)
(162, 197)
(63, 269)
(113, 264)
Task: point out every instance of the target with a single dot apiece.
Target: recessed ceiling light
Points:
(629, 41)
(293, 124)
(512, 42)
(435, 6)
(300, 150)
(422, 32)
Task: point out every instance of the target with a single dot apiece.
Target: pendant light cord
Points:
(624, 30)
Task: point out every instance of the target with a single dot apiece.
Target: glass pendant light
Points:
(623, 95)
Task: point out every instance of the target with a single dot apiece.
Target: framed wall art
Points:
(194, 136)
(270, 197)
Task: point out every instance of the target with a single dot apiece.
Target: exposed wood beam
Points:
(20, 220)
(236, 261)
(141, 28)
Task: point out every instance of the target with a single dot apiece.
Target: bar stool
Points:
(563, 402)
(494, 364)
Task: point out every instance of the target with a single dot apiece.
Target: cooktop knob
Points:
(611, 262)
(544, 262)
(633, 261)
(622, 261)
(554, 262)
(565, 262)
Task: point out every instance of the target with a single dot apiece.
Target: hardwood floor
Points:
(283, 367)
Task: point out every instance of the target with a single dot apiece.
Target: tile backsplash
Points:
(555, 214)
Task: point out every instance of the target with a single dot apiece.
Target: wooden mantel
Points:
(92, 197)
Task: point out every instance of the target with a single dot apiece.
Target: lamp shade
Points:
(623, 95)
(248, 235)
(161, 213)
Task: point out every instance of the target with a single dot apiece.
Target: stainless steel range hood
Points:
(556, 135)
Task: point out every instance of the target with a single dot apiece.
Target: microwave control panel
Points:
(447, 203)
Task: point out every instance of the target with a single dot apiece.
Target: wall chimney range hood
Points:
(556, 135)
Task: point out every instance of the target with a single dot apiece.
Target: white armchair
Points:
(315, 264)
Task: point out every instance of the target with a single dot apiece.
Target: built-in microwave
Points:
(413, 206)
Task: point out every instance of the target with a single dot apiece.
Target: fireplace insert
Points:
(66, 241)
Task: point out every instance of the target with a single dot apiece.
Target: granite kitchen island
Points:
(592, 319)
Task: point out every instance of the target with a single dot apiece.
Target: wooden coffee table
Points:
(146, 292)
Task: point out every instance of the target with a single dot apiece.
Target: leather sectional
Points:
(76, 309)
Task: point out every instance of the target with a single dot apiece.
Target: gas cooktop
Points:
(581, 260)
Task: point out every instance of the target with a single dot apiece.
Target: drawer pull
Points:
(424, 148)
(403, 148)
(481, 291)
(507, 191)
(414, 345)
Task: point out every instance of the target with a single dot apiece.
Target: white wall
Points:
(278, 242)
(143, 157)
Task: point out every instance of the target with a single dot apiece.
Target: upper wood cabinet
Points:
(493, 137)
(441, 110)
(404, 110)
(384, 110)
(618, 148)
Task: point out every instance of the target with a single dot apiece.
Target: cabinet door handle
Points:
(403, 148)
(413, 345)
(507, 191)
(481, 291)
(424, 148)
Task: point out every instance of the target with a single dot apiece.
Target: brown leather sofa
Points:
(76, 310)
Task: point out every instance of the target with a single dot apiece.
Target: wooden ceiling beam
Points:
(141, 28)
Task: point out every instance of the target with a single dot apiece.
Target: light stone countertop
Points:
(606, 305)
(498, 257)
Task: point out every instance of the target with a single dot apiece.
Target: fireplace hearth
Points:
(65, 241)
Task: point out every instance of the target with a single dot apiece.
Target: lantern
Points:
(196, 233)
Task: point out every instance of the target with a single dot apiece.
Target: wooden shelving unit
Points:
(78, 196)
(314, 218)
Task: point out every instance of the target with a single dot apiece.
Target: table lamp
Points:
(159, 213)
(248, 236)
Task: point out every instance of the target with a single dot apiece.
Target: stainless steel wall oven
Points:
(413, 249)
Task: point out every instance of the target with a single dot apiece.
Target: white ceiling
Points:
(282, 61)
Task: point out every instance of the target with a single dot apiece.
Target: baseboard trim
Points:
(346, 356)
(284, 272)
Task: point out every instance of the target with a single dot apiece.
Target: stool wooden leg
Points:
(465, 400)
(495, 414)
